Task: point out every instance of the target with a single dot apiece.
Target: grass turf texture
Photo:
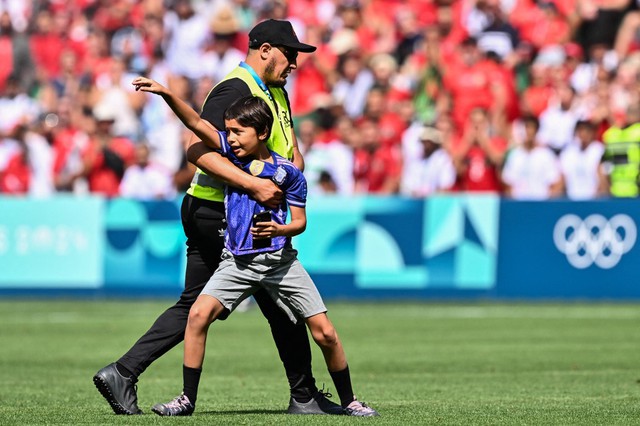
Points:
(471, 364)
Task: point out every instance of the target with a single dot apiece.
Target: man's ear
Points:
(264, 50)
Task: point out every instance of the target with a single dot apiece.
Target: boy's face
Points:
(243, 140)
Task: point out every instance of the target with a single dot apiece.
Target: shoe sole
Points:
(103, 388)
(162, 414)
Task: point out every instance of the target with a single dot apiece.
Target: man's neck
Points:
(253, 60)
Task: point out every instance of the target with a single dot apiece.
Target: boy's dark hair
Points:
(251, 111)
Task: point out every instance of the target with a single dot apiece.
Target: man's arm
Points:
(212, 163)
(298, 159)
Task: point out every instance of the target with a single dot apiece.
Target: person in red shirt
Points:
(46, 45)
(541, 23)
(378, 167)
(106, 157)
(470, 84)
(479, 155)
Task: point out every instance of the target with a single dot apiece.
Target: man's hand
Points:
(265, 192)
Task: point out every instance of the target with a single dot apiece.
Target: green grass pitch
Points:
(417, 363)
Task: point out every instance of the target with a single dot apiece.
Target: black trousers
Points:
(203, 223)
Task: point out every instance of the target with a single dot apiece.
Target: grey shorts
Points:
(280, 273)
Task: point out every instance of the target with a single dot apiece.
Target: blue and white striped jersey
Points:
(240, 207)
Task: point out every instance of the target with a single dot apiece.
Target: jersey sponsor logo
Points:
(284, 118)
(256, 167)
(594, 240)
(280, 175)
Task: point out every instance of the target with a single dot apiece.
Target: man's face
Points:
(282, 61)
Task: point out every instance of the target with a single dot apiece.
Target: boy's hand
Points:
(265, 230)
(144, 84)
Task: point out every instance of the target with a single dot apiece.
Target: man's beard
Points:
(269, 71)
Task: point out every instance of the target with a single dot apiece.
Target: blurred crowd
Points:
(528, 99)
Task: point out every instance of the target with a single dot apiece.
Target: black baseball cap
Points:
(277, 33)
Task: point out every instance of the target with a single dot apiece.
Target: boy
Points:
(257, 254)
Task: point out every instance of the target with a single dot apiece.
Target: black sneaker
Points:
(179, 406)
(319, 404)
(119, 391)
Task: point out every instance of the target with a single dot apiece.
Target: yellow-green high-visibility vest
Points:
(280, 141)
(622, 150)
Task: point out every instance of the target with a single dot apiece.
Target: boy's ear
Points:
(263, 137)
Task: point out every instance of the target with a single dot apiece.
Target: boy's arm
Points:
(296, 226)
(200, 154)
(202, 128)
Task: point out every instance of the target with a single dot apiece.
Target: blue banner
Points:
(563, 249)
(51, 243)
(401, 247)
(446, 246)
(145, 246)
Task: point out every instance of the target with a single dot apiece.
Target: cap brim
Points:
(300, 47)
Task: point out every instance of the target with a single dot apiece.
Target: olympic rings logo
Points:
(594, 239)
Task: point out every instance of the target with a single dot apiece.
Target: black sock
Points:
(124, 372)
(191, 380)
(342, 382)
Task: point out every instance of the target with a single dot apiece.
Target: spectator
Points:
(535, 98)
(188, 33)
(28, 171)
(161, 128)
(69, 141)
(46, 45)
(581, 164)
(106, 156)
(479, 157)
(331, 158)
(314, 76)
(497, 34)
(542, 24)
(68, 81)
(377, 166)
(145, 180)
(16, 106)
(470, 84)
(354, 83)
(531, 171)
(15, 56)
(221, 56)
(423, 71)
(435, 172)
(558, 120)
(622, 154)
(598, 61)
(127, 44)
(113, 91)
